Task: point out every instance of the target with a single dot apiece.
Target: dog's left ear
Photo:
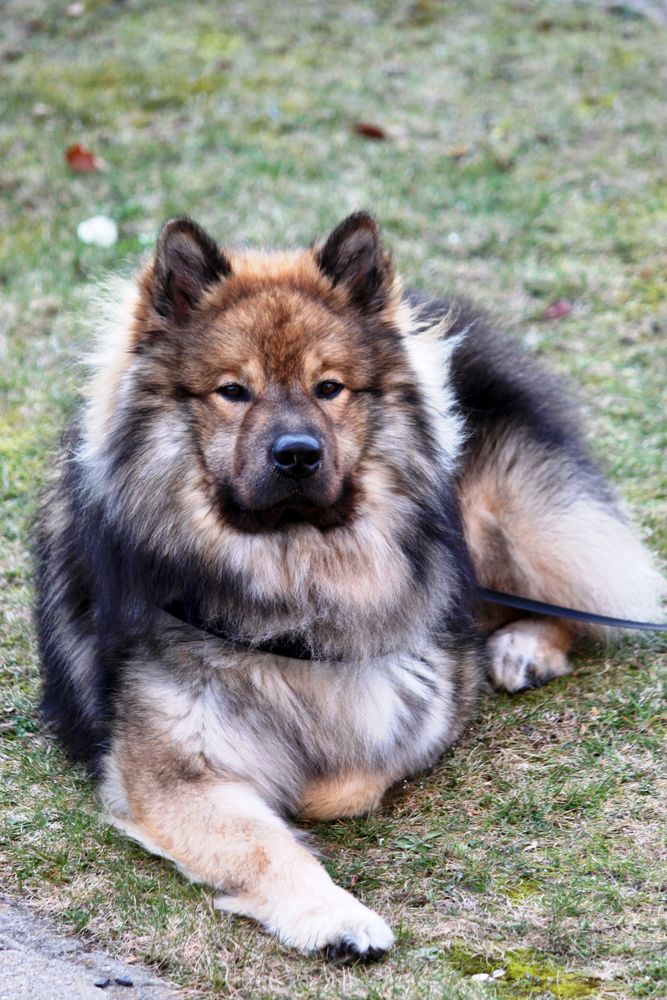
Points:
(355, 257)
(187, 261)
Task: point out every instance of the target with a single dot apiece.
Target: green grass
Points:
(524, 162)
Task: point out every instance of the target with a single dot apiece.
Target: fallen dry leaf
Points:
(82, 160)
(369, 131)
(457, 152)
(557, 309)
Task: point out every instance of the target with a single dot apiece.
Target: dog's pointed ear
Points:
(355, 257)
(187, 261)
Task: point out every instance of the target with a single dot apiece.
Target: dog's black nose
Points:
(296, 455)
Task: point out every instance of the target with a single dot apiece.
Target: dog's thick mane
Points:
(302, 580)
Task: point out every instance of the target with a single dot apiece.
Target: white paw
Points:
(335, 922)
(522, 656)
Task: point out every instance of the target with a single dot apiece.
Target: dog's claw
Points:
(346, 952)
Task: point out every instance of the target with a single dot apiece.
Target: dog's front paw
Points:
(335, 923)
(525, 655)
(350, 932)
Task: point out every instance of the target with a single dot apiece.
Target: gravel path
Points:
(37, 963)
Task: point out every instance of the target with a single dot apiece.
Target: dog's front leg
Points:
(223, 833)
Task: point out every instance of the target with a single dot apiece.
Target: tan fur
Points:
(221, 832)
(224, 835)
(580, 554)
(345, 795)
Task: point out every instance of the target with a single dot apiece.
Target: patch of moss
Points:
(522, 890)
(526, 973)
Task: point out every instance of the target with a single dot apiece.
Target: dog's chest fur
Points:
(327, 738)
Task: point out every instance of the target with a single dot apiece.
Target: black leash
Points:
(296, 649)
(555, 611)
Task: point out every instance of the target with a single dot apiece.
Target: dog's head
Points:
(277, 359)
(274, 431)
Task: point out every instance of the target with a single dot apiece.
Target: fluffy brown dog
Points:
(256, 561)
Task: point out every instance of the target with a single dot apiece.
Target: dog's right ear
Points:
(187, 261)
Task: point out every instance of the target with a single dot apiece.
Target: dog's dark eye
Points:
(328, 389)
(234, 391)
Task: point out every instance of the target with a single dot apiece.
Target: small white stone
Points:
(100, 231)
(480, 977)
(497, 973)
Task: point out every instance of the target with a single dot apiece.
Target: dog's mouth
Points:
(291, 512)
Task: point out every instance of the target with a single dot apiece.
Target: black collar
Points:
(294, 647)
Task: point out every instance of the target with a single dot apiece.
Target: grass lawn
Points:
(524, 161)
